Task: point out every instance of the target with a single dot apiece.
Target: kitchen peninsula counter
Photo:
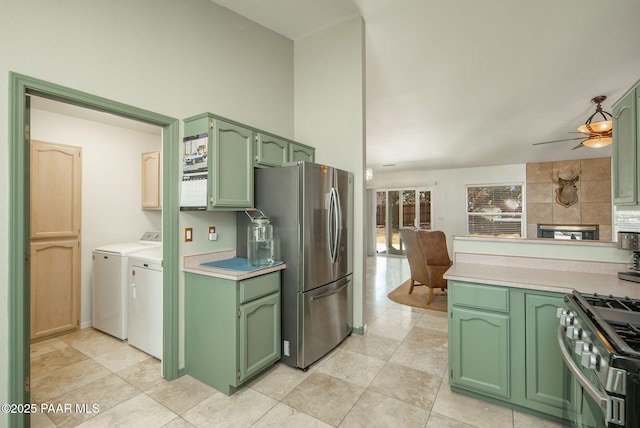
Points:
(195, 264)
(560, 276)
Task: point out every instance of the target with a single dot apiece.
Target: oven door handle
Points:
(600, 399)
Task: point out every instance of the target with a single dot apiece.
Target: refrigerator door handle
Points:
(334, 224)
(330, 293)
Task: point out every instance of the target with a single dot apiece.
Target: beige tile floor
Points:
(391, 377)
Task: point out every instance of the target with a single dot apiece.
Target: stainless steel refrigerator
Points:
(311, 209)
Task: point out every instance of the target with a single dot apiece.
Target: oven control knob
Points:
(581, 347)
(567, 319)
(591, 360)
(574, 332)
(585, 336)
(560, 312)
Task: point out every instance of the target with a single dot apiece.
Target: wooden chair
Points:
(428, 259)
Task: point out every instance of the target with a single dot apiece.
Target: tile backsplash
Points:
(594, 195)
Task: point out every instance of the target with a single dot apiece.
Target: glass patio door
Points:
(397, 209)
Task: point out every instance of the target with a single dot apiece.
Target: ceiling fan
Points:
(595, 134)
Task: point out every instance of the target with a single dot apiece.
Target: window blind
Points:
(495, 210)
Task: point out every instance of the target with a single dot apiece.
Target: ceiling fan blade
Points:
(578, 146)
(558, 141)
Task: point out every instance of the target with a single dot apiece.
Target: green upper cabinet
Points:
(275, 151)
(229, 157)
(625, 148)
(300, 152)
(232, 151)
(270, 150)
(231, 184)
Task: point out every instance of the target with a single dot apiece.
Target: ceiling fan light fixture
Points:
(602, 127)
(597, 141)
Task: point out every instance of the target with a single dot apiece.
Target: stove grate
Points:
(612, 302)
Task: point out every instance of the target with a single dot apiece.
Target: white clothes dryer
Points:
(145, 301)
(110, 296)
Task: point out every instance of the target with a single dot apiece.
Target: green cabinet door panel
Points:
(226, 342)
(270, 150)
(210, 314)
(300, 152)
(625, 151)
(230, 166)
(259, 335)
(480, 343)
(548, 380)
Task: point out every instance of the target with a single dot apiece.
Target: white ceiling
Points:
(460, 83)
(52, 106)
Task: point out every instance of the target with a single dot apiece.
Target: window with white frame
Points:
(495, 210)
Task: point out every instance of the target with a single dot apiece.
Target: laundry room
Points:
(111, 179)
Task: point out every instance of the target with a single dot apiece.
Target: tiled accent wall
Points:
(594, 195)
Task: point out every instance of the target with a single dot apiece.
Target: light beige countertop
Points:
(193, 264)
(560, 276)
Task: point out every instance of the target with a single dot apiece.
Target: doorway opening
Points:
(20, 87)
(397, 209)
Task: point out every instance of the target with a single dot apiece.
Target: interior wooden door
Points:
(55, 292)
(55, 195)
(152, 180)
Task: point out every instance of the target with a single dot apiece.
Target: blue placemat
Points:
(236, 263)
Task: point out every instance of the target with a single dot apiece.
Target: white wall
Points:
(330, 115)
(111, 184)
(177, 58)
(448, 194)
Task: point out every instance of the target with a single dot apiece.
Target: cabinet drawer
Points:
(259, 286)
(479, 296)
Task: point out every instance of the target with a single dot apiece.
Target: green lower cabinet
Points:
(503, 346)
(549, 387)
(232, 328)
(481, 345)
(587, 410)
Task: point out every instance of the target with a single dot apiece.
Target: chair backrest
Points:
(434, 247)
(417, 262)
(427, 255)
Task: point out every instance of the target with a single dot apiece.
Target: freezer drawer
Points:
(325, 320)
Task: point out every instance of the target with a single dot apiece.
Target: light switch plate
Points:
(188, 234)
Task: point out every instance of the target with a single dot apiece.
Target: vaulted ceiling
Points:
(460, 83)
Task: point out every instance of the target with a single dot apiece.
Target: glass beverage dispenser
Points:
(260, 248)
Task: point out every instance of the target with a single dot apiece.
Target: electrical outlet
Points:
(188, 234)
(212, 233)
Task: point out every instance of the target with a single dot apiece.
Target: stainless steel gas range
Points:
(599, 337)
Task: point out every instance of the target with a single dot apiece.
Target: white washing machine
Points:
(145, 301)
(110, 283)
